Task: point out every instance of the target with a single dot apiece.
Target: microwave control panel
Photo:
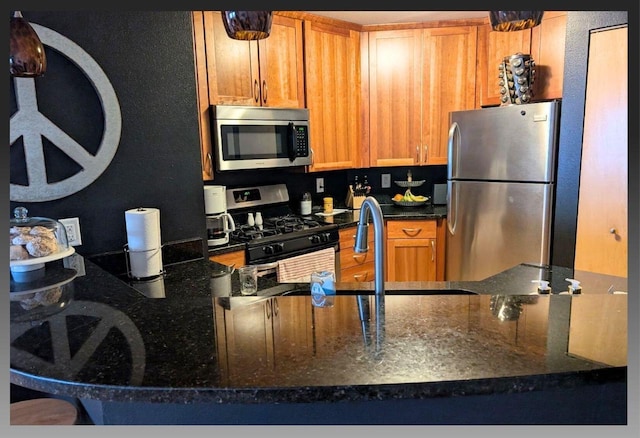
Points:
(301, 141)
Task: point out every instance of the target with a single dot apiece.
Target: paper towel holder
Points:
(128, 263)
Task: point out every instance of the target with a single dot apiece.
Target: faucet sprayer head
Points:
(362, 238)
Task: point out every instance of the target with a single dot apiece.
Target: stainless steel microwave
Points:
(247, 137)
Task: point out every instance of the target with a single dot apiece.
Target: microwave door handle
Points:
(292, 142)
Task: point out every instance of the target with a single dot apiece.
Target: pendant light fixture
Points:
(247, 25)
(26, 52)
(511, 21)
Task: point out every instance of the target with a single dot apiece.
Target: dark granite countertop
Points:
(186, 337)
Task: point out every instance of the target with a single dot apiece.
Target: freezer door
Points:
(510, 143)
(493, 226)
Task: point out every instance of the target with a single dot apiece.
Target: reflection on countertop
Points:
(202, 344)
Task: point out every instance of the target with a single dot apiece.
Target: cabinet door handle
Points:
(426, 154)
(361, 277)
(264, 91)
(418, 154)
(256, 91)
(412, 231)
(276, 307)
(268, 309)
(209, 162)
(433, 250)
(360, 258)
(612, 230)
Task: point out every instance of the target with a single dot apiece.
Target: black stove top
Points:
(282, 233)
(274, 226)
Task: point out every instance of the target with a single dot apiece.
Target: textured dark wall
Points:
(148, 58)
(579, 24)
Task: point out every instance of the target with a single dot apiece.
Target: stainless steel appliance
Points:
(500, 188)
(219, 222)
(283, 234)
(247, 137)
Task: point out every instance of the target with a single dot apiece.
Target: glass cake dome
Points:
(33, 241)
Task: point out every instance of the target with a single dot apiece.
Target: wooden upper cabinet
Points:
(202, 96)
(416, 77)
(492, 48)
(448, 84)
(547, 50)
(545, 44)
(332, 74)
(282, 64)
(266, 72)
(395, 70)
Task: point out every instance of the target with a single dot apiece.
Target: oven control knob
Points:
(268, 250)
(315, 238)
(278, 247)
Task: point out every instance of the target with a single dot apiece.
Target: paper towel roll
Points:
(143, 229)
(145, 264)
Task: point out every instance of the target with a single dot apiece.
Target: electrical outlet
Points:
(386, 180)
(319, 185)
(72, 225)
(74, 261)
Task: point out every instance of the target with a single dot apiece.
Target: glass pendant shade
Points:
(26, 52)
(511, 21)
(247, 25)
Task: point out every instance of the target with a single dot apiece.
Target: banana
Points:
(407, 196)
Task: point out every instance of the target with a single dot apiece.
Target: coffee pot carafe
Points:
(219, 222)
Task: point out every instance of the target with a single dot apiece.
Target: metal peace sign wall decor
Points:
(30, 124)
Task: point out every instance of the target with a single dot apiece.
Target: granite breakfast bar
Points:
(490, 352)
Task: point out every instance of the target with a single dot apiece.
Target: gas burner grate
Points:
(290, 223)
(246, 233)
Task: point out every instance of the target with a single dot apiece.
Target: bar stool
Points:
(43, 411)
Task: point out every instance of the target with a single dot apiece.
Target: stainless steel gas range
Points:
(271, 230)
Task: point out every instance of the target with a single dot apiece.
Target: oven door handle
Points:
(265, 268)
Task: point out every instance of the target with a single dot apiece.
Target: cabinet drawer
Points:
(349, 258)
(348, 237)
(422, 229)
(358, 273)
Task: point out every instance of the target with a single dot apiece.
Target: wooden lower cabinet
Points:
(415, 250)
(235, 258)
(355, 266)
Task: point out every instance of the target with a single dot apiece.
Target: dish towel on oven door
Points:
(298, 269)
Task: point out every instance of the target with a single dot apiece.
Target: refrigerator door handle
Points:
(452, 208)
(452, 150)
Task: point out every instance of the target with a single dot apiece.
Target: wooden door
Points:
(281, 81)
(602, 233)
(448, 84)
(332, 70)
(395, 65)
(492, 48)
(411, 259)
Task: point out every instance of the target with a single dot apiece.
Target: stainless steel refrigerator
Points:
(500, 188)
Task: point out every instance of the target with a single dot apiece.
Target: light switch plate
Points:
(319, 185)
(386, 180)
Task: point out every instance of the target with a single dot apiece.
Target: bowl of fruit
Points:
(409, 199)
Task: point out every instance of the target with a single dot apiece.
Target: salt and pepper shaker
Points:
(258, 220)
(250, 221)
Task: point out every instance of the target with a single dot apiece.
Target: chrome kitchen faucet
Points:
(370, 206)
